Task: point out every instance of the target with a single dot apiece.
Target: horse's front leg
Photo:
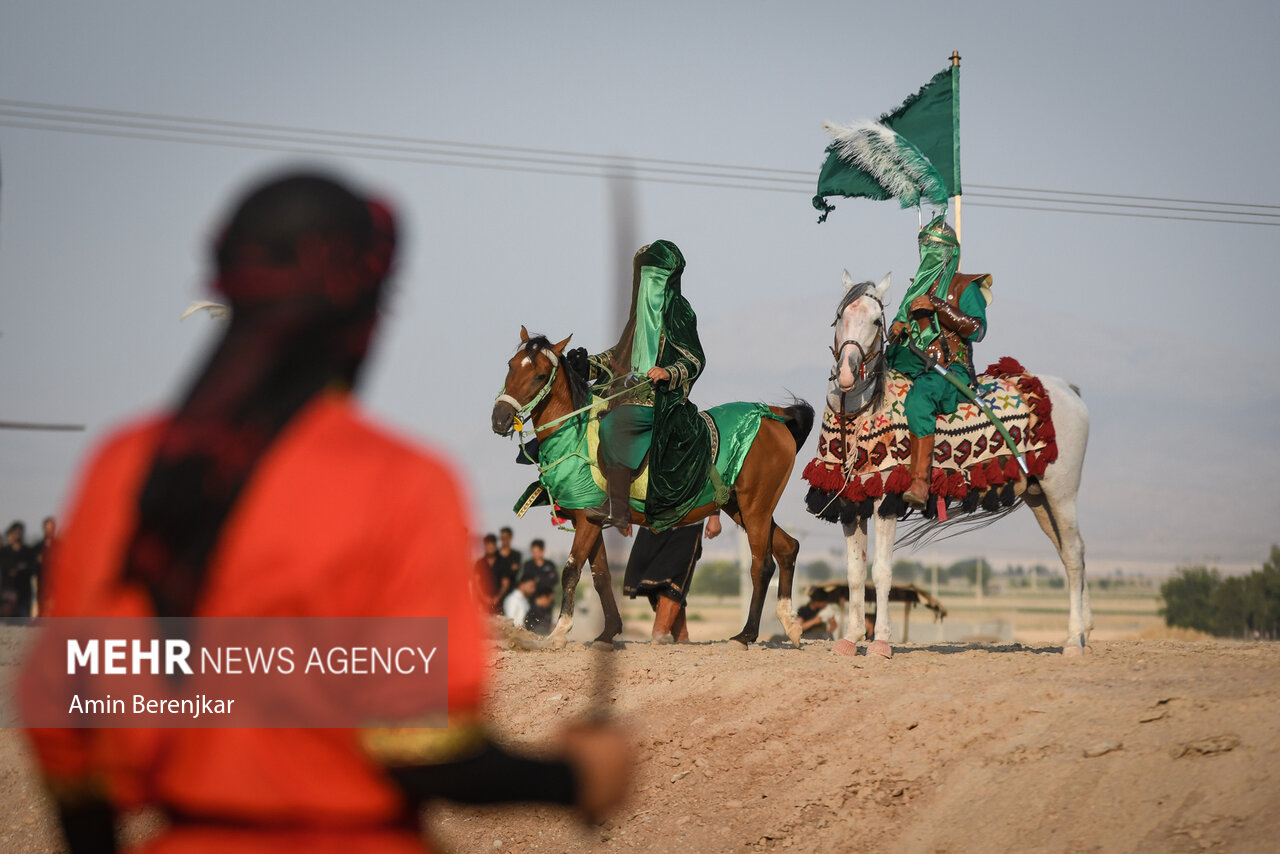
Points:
(882, 574)
(604, 589)
(855, 542)
(585, 535)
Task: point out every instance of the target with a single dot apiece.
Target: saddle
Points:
(738, 422)
(864, 456)
(639, 477)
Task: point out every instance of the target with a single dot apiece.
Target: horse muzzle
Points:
(846, 374)
(503, 418)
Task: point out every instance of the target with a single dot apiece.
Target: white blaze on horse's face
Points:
(857, 330)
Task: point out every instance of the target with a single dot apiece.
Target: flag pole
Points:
(955, 63)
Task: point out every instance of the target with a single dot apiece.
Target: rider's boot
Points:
(921, 461)
(616, 510)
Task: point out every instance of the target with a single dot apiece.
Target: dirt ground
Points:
(1146, 745)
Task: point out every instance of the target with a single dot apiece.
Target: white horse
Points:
(859, 340)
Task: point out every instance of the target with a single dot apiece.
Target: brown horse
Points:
(535, 385)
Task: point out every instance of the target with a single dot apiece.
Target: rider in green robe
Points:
(660, 342)
(941, 315)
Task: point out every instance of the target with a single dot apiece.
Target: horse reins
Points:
(525, 410)
(878, 349)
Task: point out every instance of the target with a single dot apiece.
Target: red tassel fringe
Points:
(1006, 366)
(823, 476)
(978, 477)
(830, 478)
(898, 481)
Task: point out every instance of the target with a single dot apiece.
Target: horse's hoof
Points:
(738, 643)
(796, 635)
(602, 645)
(880, 648)
(556, 642)
(1073, 651)
(844, 646)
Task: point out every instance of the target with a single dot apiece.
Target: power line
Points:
(27, 425)
(1020, 198)
(315, 142)
(1119, 196)
(51, 111)
(308, 149)
(1116, 213)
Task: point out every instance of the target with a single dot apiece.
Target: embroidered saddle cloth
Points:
(865, 456)
(572, 479)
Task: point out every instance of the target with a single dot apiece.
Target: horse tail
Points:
(799, 420)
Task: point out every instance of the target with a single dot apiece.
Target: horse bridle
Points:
(865, 357)
(524, 410)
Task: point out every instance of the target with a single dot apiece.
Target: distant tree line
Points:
(715, 578)
(1246, 606)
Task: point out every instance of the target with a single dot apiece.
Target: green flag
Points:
(927, 124)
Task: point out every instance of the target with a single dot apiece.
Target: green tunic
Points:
(931, 395)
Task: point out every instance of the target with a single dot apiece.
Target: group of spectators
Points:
(523, 592)
(21, 566)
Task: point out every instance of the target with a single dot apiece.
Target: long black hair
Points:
(302, 262)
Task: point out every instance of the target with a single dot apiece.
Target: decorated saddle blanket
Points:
(864, 457)
(571, 478)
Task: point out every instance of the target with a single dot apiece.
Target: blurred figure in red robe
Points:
(267, 493)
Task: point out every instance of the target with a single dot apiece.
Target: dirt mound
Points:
(1143, 746)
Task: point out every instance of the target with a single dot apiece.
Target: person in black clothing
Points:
(661, 567)
(543, 569)
(508, 561)
(18, 567)
(492, 575)
(42, 549)
(539, 619)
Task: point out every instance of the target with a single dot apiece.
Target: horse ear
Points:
(559, 348)
(848, 281)
(524, 334)
(883, 287)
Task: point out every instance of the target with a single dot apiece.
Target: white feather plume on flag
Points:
(216, 310)
(888, 157)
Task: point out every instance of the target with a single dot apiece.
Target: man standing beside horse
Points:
(941, 315)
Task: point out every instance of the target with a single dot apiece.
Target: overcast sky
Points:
(1167, 325)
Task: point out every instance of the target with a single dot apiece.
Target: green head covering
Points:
(939, 260)
(660, 265)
